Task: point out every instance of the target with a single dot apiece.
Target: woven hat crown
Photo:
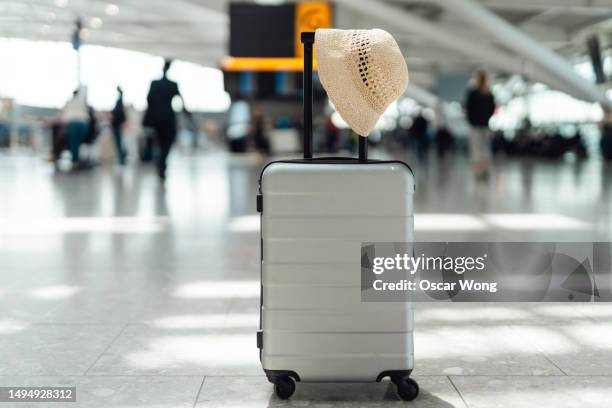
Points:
(380, 67)
(363, 71)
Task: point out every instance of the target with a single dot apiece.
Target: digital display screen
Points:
(262, 31)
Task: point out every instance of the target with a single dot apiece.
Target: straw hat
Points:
(363, 71)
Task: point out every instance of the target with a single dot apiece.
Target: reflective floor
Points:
(148, 296)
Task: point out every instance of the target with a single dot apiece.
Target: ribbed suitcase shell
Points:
(315, 216)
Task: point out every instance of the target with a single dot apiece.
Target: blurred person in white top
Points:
(75, 118)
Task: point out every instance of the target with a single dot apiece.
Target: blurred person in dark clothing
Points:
(161, 117)
(444, 141)
(118, 118)
(58, 139)
(605, 142)
(480, 106)
(92, 126)
(418, 131)
(258, 127)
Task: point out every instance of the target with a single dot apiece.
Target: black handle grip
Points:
(307, 39)
(363, 148)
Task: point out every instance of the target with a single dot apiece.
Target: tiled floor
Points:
(142, 296)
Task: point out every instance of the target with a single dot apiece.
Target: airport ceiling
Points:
(197, 30)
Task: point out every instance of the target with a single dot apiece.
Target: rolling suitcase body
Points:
(315, 213)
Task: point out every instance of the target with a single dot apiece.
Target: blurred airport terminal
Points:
(132, 136)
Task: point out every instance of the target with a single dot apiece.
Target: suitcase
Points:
(315, 213)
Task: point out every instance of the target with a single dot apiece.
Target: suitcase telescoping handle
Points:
(308, 39)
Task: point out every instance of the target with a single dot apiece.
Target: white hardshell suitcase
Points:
(315, 213)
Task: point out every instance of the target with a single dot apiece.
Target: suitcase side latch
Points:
(260, 339)
(259, 203)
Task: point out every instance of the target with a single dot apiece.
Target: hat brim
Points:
(337, 79)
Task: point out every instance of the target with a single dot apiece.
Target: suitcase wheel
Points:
(284, 387)
(407, 388)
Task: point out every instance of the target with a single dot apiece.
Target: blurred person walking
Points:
(118, 119)
(418, 131)
(75, 118)
(480, 106)
(161, 117)
(258, 130)
(92, 127)
(605, 142)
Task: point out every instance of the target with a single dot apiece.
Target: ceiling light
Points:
(111, 9)
(95, 22)
(61, 3)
